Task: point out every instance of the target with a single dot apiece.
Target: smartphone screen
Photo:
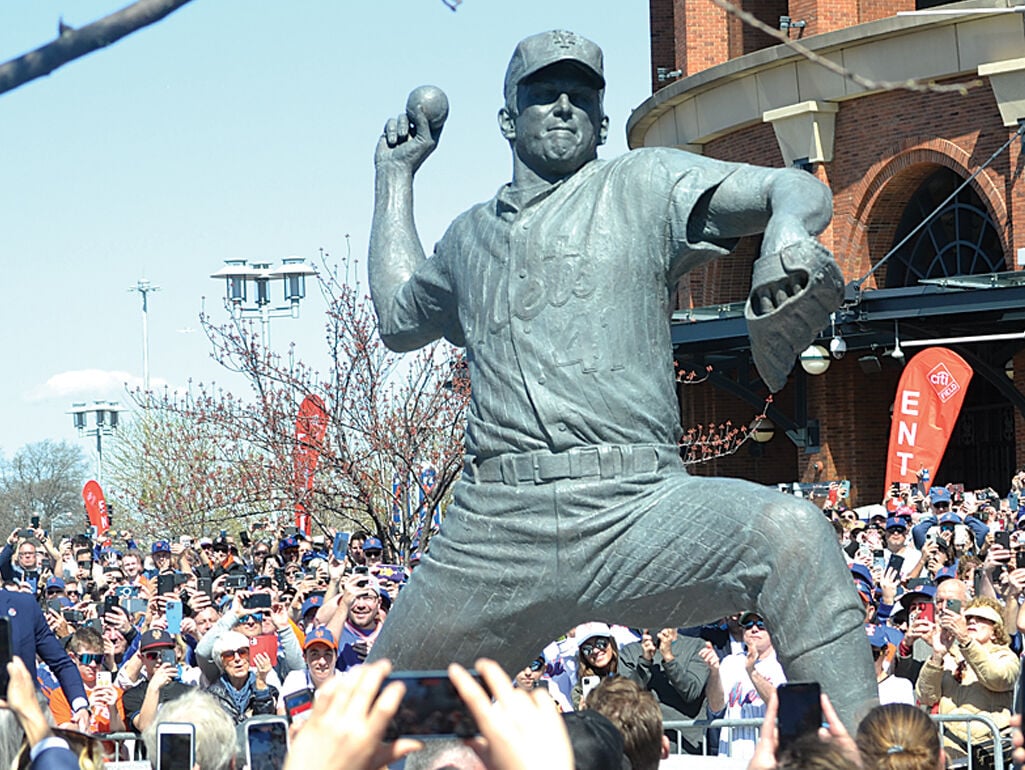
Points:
(267, 744)
(800, 711)
(1019, 559)
(298, 705)
(430, 694)
(5, 654)
(175, 746)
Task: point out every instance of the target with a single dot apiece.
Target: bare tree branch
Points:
(854, 77)
(73, 43)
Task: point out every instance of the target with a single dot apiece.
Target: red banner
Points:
(96, 507)
(310, 427)
(928, 401)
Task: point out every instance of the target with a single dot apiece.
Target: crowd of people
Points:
(263, 625)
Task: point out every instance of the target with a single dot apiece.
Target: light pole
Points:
(105, 421)
(237, 274)
(144, 287)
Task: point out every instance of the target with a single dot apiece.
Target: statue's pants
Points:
(518, 564)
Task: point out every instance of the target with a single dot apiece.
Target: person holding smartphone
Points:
(161, 685)
(972, 670)
(105, 700)
(242, 689)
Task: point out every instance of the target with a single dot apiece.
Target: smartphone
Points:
(34, 521)
(168, 656)
(360, 569)
(176, 745)
(262, 581)
(165, 583)
(173, 612)
(895, 563)
(73, 616)
(1002, 538)
(205, 585)
(1019, 559)
(103, 679)
(266, 742)
(266, 643)
(6, 651)
(877, 559)
(258, 601)
(927, 612)
(236, 582)
(244, 537)
(340, 546)
(954, 605)
(298, 705)
(588, 683)
(135, 605)
(429, 693)
(109, 603)
(800, 711)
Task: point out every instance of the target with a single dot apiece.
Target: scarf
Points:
(241, 696)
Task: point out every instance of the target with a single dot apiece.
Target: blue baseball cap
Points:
(161, 546)
(894, 523)
(939, 495)
(922, 593)
(312, 603)
(948, 572)
(320, 635)
(949, 518)
(862, 574)
(54, 582)
(372, 544)
(289, 542)
(876, 635)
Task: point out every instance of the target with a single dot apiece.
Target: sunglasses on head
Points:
(241, 652)
(256, 617)
(88, 658)
(749, 624)
(600, 644)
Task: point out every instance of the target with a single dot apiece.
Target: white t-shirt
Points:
(743, 702)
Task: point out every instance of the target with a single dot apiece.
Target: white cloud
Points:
(90, 384)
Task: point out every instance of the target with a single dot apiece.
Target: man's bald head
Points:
(444, 755)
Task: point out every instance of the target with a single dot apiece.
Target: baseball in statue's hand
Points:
(433, 102)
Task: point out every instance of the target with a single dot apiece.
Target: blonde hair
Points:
(898, 736)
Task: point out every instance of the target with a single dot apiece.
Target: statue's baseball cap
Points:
(546, 48)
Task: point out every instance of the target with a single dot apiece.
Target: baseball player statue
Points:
(574, 503)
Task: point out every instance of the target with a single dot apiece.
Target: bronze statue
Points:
(574, 503)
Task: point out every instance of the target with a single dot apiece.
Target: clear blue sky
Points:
(233, 129)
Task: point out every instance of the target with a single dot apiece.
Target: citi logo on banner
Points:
(943, 382)
(925, 409)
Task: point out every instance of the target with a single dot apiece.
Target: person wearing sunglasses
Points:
(107, 710)
(242, 689)
(161, 684)
(741, 684)
(597, 656)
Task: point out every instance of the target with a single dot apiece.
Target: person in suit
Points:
(48, 752)
(31, 636)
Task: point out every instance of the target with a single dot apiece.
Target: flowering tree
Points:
(210, 454)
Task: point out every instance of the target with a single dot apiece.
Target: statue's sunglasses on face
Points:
(596, 645)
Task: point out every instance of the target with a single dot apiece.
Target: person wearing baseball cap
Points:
(320, 651)
(571, 238)
(898, 544)
(161, 684)
(892, 689)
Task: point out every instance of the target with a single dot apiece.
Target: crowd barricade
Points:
(124, 751)
(992, 742)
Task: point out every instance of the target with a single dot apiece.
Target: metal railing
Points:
(942, 719)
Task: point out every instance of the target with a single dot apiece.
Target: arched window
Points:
(962, 239)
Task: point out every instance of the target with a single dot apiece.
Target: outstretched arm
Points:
(395, 249)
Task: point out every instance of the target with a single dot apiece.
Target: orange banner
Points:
(928, 401)
(96, 507)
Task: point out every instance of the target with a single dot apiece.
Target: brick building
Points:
(928, 186)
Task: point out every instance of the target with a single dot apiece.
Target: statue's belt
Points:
(605, 461)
